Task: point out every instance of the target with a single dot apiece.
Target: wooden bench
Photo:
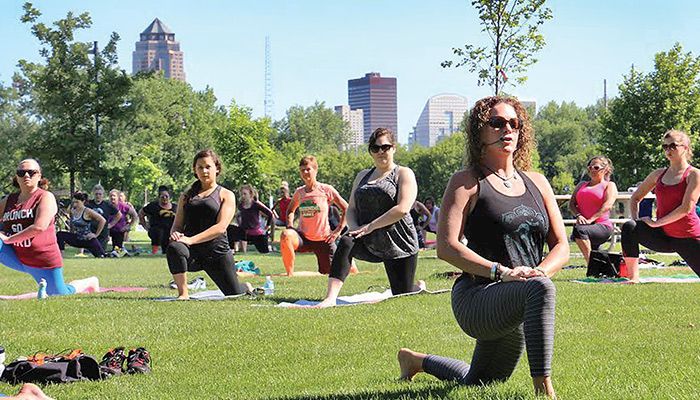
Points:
(617, 232)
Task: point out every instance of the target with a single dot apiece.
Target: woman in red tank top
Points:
(29, 237)
(677, 226)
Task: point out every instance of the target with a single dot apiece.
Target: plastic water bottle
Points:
(2, 360)
(269, 286)
(41, 294)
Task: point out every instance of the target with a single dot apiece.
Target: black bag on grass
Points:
(57, 370)
(604, 264)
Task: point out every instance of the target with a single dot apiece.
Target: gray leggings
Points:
(504, 318)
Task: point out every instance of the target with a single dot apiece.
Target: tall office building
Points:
(376, 96)
(355, 119)
(158, 51)
(441, 117)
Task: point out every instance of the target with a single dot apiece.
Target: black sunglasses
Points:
(374, 148)
(21, 172)
(670, 146)
(500, 123)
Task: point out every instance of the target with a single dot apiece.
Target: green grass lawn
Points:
(612, 341)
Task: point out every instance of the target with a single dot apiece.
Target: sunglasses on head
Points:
(374, 148)
(500, 123)
(670, 146)
(22, 172)
(596, 167)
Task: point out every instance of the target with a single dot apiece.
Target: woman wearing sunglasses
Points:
(504, 298)
(677, 226)
(28, 239)
(379, 221)
(591, 203)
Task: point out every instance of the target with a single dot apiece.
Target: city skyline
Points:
(317, 46)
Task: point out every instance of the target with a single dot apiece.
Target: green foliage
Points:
(68, 90)
(16, 130)
(647, 106)
(167, 123)
(247, 154)
(513, 29)
(566, 140)
(434, 166)
(317, 127)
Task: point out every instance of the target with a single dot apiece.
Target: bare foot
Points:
(326, 303)
(353, 268)
(421, 285)
(31, 391)
(249, 288)
(410, 363)
(183, 297)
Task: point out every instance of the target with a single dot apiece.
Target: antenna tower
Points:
(269, 103)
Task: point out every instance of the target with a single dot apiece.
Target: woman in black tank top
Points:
(506, 213)
(198, 236)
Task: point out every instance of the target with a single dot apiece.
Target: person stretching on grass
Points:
(157, 218)
(28, 239)
(198, 236)
(504, 298)
(677, 226)
(379, 220)
(314, 233)
(81, 220)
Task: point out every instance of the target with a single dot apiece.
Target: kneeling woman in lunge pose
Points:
(198, 235)
(29, 236)
(379, 220)
(677, 226)
(504, 299)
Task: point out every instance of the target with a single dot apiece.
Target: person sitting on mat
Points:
(198, 236)
(314, 234)
(677, 226)
(591, 203)
(28, 241)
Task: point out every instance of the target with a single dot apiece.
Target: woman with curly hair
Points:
(591, 203)
(504, 298)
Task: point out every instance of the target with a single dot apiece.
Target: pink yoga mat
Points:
(32, 295)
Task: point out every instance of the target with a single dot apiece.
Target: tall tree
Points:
(68, 90)
(647, 106)
(513, 29)
(16, 128)
(247, 154)
(317, 127)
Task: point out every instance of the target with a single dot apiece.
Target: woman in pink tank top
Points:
(677, 226)
(591, 203)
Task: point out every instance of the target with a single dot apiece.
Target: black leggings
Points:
(635, 233)
(160, 236)
(597, 234)
(221, 269)
(117, 239)
(93, 245)
(401, 272)
(236, 234)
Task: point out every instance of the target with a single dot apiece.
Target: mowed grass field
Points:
(612, 341)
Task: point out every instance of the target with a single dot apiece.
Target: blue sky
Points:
(318, 45)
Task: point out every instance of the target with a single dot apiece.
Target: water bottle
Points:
(41, 294)
(2, 360)
(269, 287)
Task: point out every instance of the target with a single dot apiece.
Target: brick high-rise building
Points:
(158, 51)
(376, 96)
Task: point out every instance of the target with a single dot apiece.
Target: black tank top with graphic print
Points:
(201, 214)
(509, 230)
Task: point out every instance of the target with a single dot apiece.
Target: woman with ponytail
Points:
(198, 239)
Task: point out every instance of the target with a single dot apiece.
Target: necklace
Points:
(505, 179)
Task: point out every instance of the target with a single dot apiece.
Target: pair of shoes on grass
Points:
(138, 361)
(197, 283)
